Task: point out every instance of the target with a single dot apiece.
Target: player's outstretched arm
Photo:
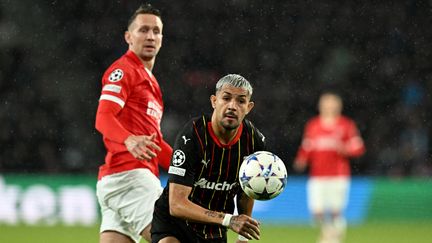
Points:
(182, 207)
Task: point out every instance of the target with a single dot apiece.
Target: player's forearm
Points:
(188, 210)
(111, 128)
(244, 204)
(354, 147)
(165, 155)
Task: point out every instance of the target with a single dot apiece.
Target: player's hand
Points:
(245, 226)
(299, 166)
(142, 147)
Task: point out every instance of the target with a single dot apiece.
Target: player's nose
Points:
(150, 35)
(232, 105)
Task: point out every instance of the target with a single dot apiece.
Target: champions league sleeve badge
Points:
(116, 75)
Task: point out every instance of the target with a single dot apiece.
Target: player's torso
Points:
(327, 138)
(216, 176)
(327, 143)
(143, 108)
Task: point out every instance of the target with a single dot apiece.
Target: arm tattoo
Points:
(234, 223)
(214, 214)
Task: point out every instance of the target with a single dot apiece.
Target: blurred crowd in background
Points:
(376, 54)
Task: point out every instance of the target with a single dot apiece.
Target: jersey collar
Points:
(216, 139)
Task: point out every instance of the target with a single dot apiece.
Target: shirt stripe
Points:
(113, 99)
(113, 88)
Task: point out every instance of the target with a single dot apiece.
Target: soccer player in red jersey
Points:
(129, 115)
(329, 140)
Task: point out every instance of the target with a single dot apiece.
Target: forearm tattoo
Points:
(214, 214)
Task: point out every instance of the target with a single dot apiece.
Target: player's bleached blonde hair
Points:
(235, 80)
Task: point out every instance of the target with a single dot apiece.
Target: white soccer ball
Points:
(262, 175)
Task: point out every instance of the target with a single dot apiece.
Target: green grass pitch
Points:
(415, 232)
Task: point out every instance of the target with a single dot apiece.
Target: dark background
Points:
(378, 55)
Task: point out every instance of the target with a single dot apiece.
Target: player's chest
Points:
(145, 90)
(221, 162)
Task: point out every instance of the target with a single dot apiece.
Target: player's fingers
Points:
(247, 235)
(137, 154)
(253, 231)
(150, 153)
(253, 222)
(152, 136)
(155, 146)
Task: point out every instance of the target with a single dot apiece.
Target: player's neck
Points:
(329, 119)
(224, 136)
(148, 63)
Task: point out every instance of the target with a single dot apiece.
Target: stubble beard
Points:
(229, 126)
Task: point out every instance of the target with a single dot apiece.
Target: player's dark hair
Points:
(144, 9)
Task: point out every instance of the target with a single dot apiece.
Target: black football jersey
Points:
(200, 161)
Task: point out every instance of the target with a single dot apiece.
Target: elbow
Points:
(98, 124)
(175, 209)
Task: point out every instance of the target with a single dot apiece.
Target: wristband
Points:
(227, 219)
(242, 238)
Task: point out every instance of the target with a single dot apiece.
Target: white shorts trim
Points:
(327, 194)
(127, 201)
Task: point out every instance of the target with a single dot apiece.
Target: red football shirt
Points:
(322, 147)
(130, 103)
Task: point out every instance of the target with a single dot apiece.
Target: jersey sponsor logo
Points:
(112, 87)
(176, 171)
(219, 186)
(185, 139)
(154, 110)
(178, 157)
(324, 143)
(116, 75)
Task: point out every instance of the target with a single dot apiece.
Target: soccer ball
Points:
(262, 175)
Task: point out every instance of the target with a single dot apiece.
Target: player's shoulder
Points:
(313, 121)
(120, 68)
(250, 127)
(197, 124)
(346, 120)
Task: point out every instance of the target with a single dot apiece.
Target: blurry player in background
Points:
(329, 141)
(198, 202)
(129, 115)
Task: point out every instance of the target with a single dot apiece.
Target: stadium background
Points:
(378, 55)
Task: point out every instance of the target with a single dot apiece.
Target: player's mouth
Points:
(150, 47)
(231, 116)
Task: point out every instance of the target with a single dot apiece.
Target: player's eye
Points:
(144, 29)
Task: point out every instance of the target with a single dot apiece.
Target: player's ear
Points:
(127, 37)
(250, 106)
(213, 101)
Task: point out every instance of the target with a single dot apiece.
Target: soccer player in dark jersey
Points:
(198, 202)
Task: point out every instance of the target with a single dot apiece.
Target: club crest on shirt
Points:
(178, 157)
(116, 75)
